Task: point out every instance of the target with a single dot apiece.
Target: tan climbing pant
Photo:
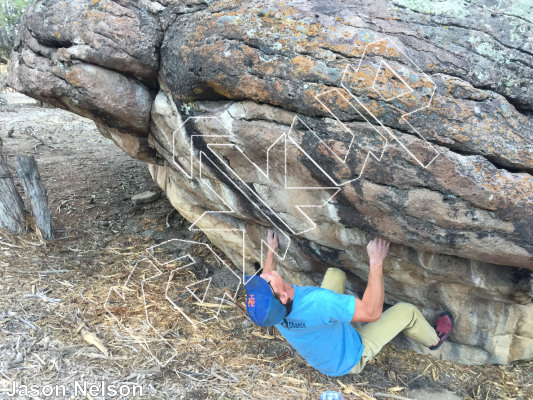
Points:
(400, 317)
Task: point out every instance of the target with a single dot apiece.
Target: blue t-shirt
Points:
(319, 329)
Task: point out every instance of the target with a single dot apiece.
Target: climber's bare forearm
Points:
(270, 263)
(370, 307)
(272, 241)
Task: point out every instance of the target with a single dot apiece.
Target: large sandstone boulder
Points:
(333, 121)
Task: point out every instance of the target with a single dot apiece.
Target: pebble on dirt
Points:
(145, 198)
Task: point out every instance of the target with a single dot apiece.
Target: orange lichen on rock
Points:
(517, 190)
(381, 48)
(332, 98)
(71, 76)
(302, 64)
(95, 14)
(254, 88)
(217, 87)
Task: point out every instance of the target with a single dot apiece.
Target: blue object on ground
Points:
(331, 395)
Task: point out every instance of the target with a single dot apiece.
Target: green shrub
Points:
(10, 14)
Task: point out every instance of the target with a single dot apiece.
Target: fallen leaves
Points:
(91, 339)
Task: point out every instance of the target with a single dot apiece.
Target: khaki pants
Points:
(400, 317)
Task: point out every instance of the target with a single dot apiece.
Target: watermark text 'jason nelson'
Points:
(79, 389)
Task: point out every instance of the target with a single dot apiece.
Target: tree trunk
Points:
(12, 212)
(3, 84)
(36, 192)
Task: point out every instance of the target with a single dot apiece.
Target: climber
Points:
(317, 321)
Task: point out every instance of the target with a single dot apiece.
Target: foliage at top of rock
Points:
(10, 14)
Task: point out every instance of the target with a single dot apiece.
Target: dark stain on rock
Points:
(524, 230)
(349, 216)
(326, 254)
(482, 235)
(521, 277)
(256, 211)
(453, 238)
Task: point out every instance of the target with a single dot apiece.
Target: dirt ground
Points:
(150, 323)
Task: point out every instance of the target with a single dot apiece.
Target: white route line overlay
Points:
(378, 157)
(411, 90)
(203, 156)
(200, 161)
(191, 261)
(227, 295)
(287, 136)
(263, 242)
(122, 295)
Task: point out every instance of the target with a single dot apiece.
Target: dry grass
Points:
(49, 288)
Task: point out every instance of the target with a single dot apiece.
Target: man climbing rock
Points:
(316, 321)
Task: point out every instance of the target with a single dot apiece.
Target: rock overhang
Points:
(467, 212)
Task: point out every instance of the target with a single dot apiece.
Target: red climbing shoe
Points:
(443, 328)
